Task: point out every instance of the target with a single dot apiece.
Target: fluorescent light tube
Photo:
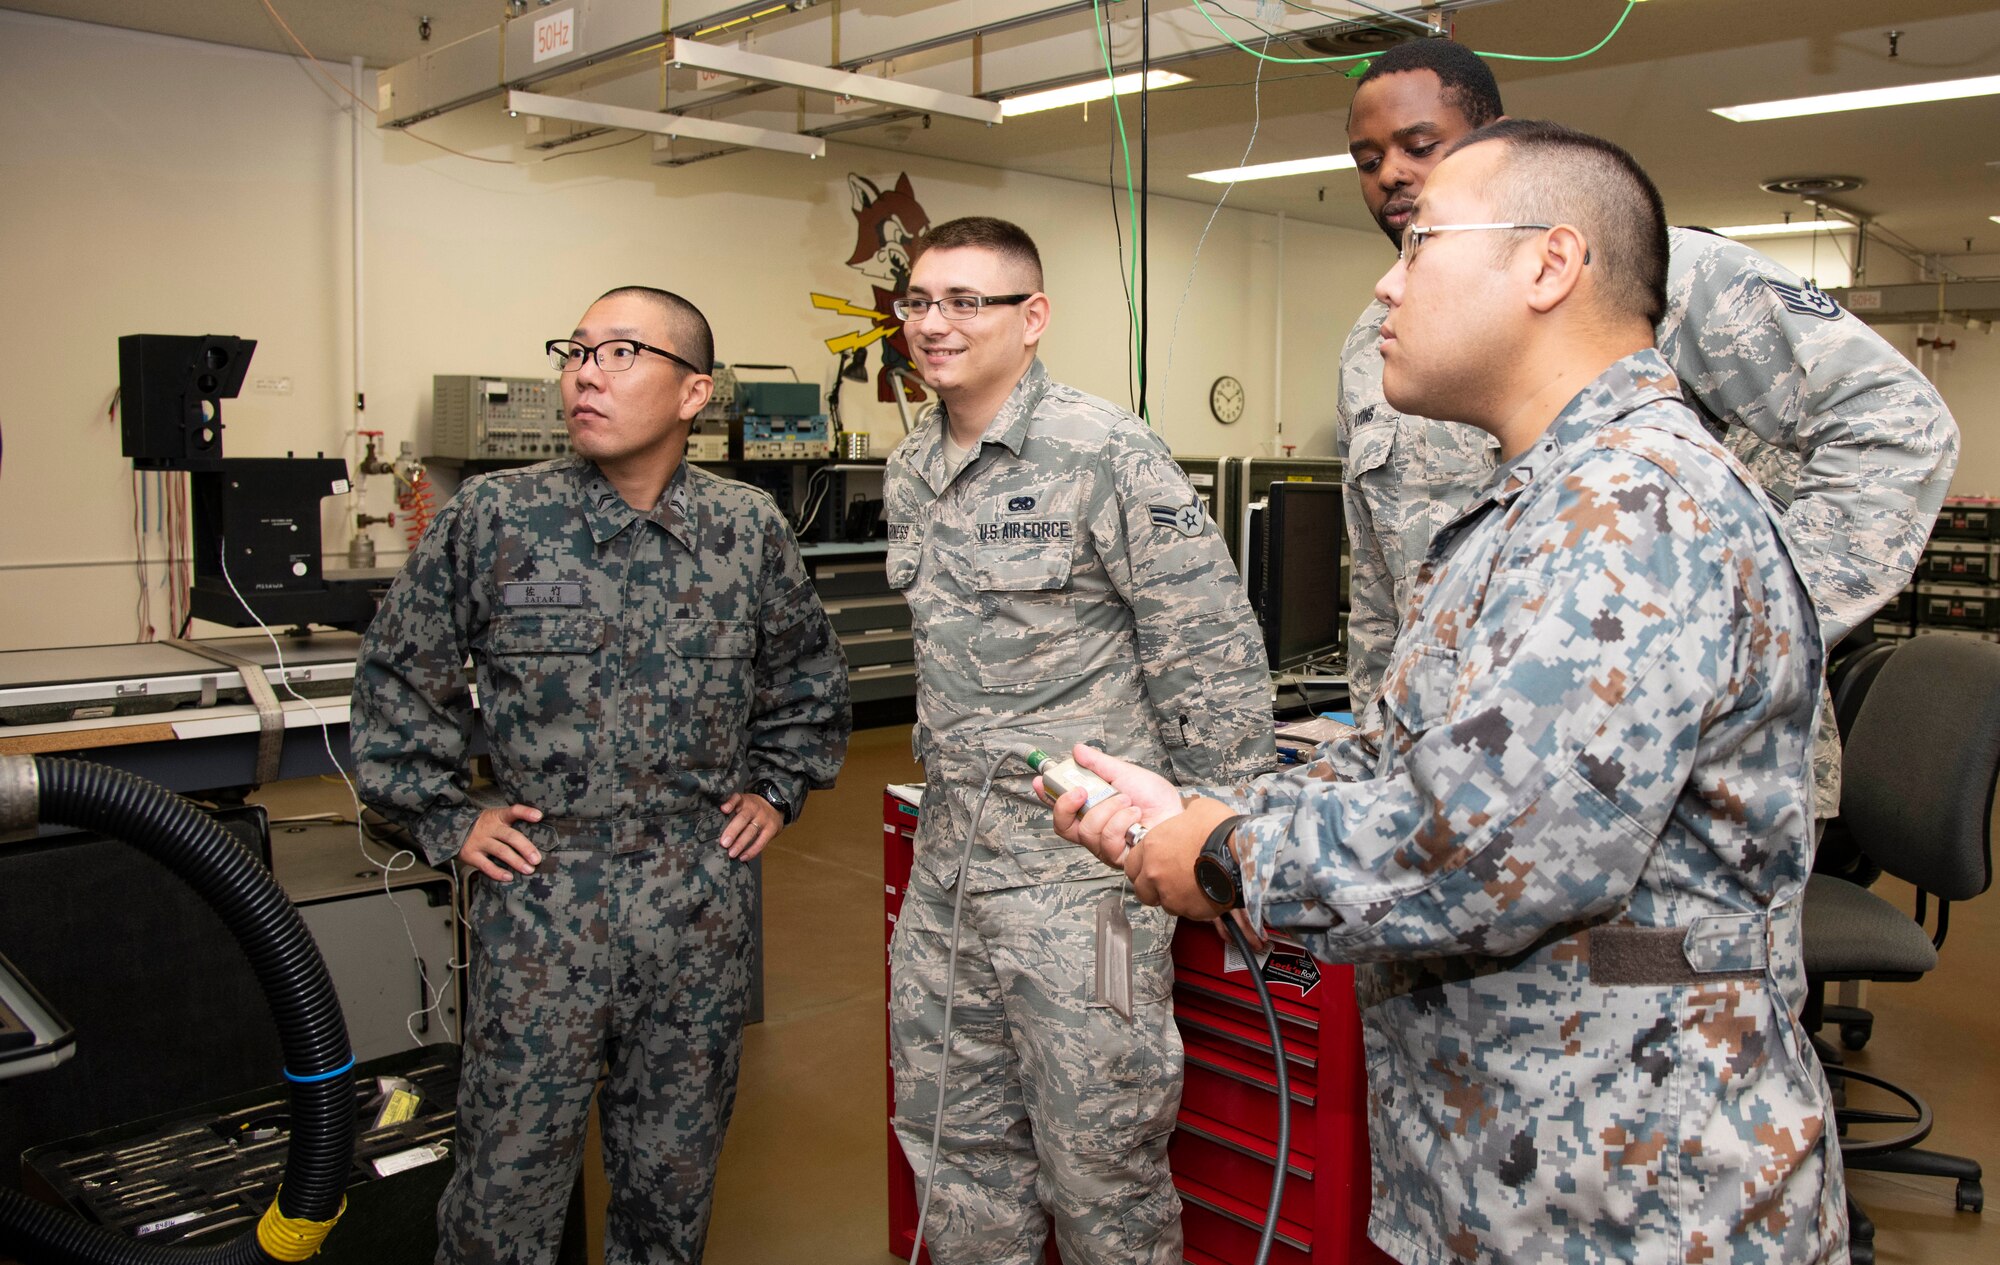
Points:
(1078, 93)
(1786, 230)
(1866, 99)
(1268, 171)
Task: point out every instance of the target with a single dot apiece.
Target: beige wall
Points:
(164, 186)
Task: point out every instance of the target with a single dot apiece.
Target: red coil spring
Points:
(418, 508)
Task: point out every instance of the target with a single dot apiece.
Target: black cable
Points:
(1242, 943)
(1124, 279)
(1145, 151)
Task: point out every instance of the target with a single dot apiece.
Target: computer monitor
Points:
(1295, 584)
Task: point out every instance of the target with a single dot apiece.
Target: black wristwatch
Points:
(1216, 871)
(768, 791)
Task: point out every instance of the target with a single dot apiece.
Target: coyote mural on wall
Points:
(885, 221)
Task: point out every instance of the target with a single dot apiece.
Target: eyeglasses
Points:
(956, 307)
(613, 355)
(1414, 235)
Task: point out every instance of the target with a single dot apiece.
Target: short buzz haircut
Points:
(684, 321)
(1468, 83)
(1555, 175)
(1008, 240)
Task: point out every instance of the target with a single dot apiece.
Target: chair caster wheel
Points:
(1860, 1253)
(1971, 1197)
(1855, 1036)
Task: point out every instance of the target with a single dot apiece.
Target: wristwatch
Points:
(1216, 871)
(768, 791)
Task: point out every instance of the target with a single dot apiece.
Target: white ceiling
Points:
(1932, 171)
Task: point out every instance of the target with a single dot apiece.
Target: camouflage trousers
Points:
(631, 968)
(1056, 1109)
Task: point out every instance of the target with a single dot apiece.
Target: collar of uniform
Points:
(609, 514)
(679, 510)
(1639, 378)
(1009, 427)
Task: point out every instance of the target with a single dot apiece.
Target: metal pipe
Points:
(1278, 346)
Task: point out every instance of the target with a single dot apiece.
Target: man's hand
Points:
(493, 844)
(1161, 865)
(753, 822)
(1144, 798)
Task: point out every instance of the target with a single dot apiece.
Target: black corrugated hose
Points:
(318, 1059)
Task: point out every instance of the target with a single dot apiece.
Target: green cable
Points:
(1313, 61)
(1573, 56)
(1131, 198)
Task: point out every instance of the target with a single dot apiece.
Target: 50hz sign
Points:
(555, 35)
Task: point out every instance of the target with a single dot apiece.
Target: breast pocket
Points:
(705, 691)
(541, 685)
(901, 565)
(1028, 630)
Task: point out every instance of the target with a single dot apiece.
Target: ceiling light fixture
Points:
(1788, 229)
(737, 62)
(1866, 99)
(573, 111)
(1078, 93)
(1270, 171)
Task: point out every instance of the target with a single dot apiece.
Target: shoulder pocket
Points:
(1370, 448)
(1419, 689)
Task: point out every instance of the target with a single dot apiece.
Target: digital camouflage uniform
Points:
(1849, 437)
(634, 670)
(1065, 586)
(1571, 870)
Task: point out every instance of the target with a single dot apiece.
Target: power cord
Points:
(402, 859)
(950, 993)
(1284, 1155)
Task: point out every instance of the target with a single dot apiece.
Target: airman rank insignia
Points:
(1806, 300)
(1187, 519)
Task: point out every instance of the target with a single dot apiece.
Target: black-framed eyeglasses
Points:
(613, 355)
(956, 307)
(1416, 234)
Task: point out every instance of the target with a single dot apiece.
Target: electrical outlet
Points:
(270, 384)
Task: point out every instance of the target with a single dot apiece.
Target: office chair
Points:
(1853, 671)
(1918, 782)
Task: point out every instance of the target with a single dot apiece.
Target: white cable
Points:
(401, 860)
(950, 991)
(1256, 122)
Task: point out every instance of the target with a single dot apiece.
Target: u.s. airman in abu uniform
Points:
(1849, 437)
(1570, 864)
(659, 688)
(1065, 586)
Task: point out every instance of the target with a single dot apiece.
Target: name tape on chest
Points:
(554, 594)
(1026, 531)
